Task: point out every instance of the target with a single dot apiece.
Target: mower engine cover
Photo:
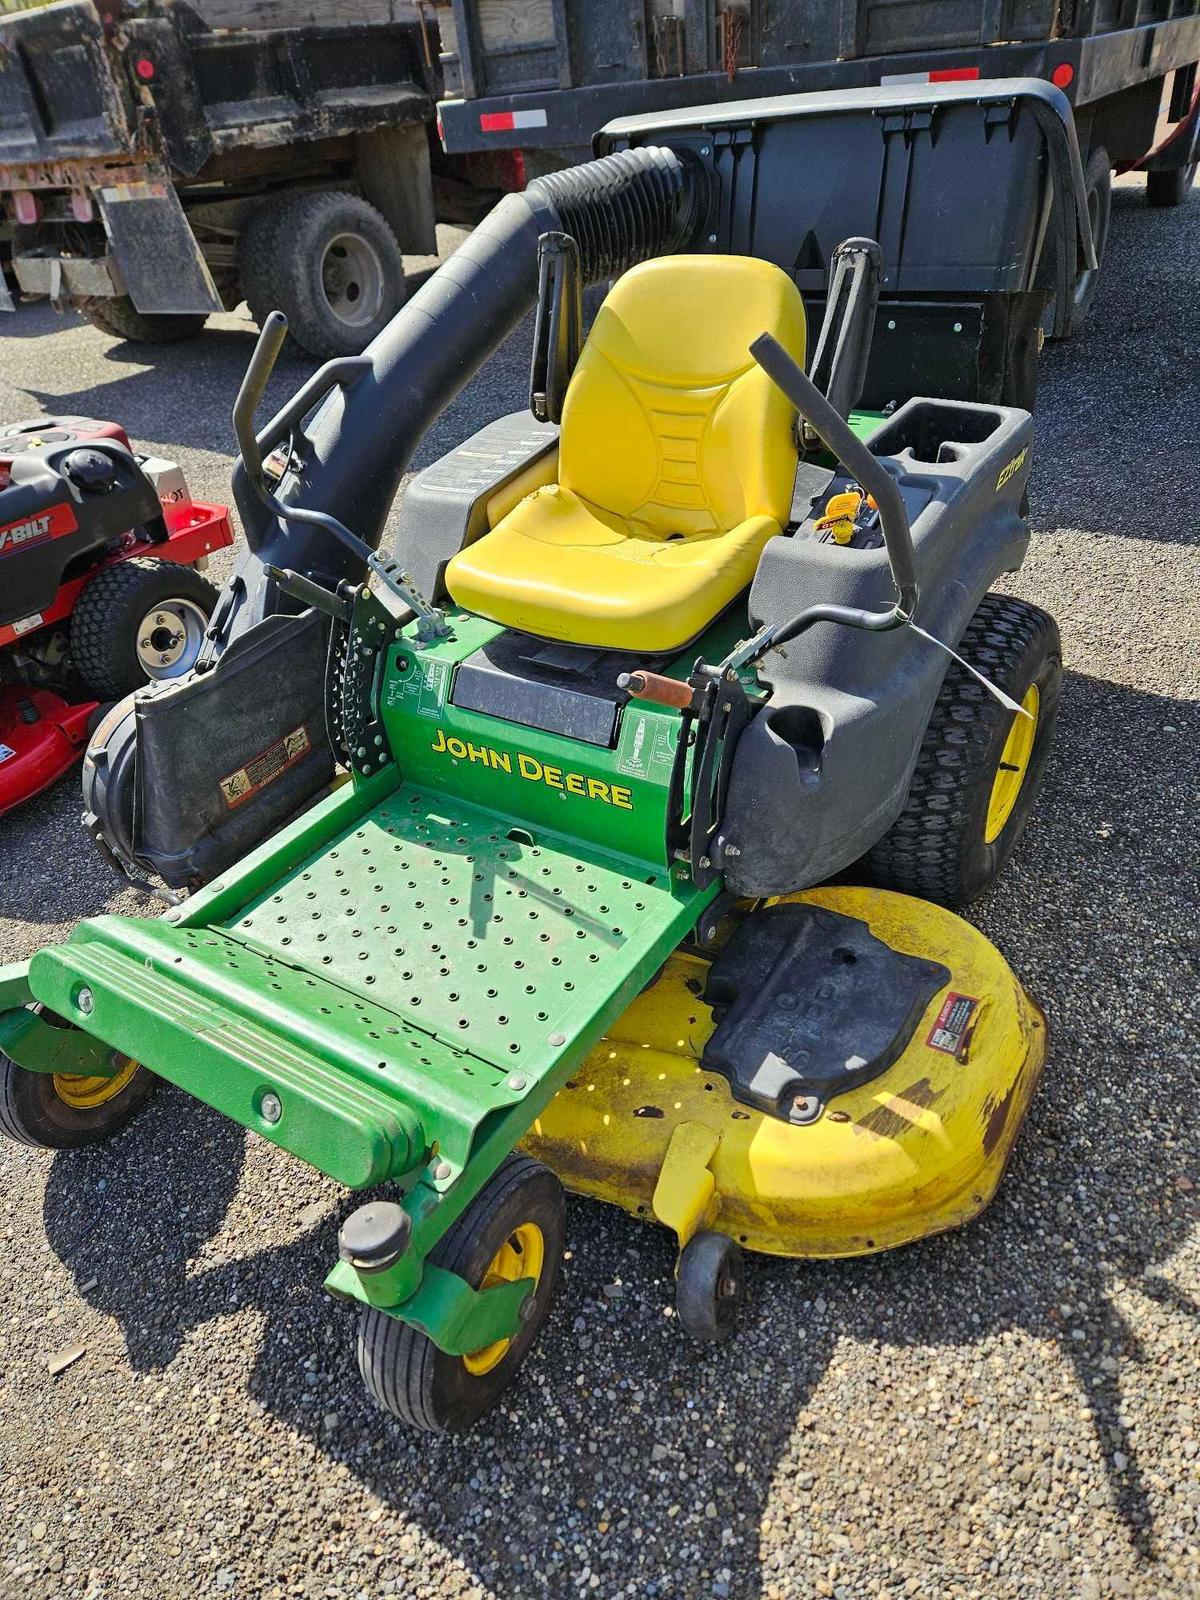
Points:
(69, 488)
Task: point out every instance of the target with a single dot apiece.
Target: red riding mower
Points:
(100, 587)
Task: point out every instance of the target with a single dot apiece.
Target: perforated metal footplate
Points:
(508, 948)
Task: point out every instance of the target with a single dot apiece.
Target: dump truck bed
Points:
(74, 89)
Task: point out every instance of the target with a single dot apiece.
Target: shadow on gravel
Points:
(1131, 432)
(167, 393)
(670, 1453)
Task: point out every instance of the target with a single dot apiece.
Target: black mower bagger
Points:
(663, 782)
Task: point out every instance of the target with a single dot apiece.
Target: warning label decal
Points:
(241, 785)
(951, 1031)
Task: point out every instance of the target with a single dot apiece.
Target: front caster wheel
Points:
(711, 1287)
(59, 1111)
(513, 1229)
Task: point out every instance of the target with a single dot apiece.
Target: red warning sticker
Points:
(951, 1031)
(239, 786)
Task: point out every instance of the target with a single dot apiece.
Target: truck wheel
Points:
(54, 1111)
(1170, 188)
(514, 1228)
(119, 317)
(980, 766)
(138, 620)
(330, 262)
(1097, 187)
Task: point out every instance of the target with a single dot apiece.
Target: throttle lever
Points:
(657, 689)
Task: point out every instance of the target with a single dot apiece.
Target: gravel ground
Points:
(1005, 1412)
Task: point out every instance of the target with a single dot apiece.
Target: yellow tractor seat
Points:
(676, 464)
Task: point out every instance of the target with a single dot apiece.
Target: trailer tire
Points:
(1170, 187)
(330, 262)
(120, 318)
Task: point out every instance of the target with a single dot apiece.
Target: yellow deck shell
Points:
(919, 1149)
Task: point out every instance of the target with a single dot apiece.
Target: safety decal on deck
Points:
(239, 786)
(6, 752)
(951, 1031)
(27, 624)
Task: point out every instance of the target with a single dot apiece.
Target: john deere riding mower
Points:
(662, 784)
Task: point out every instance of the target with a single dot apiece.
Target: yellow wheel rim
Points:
(85, 1094)
(520, 1256)
(1014, 765)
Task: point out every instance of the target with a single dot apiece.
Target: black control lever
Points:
(249, 396)
(844, 443)
(432, 624)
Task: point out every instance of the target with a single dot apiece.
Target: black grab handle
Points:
(845, 444)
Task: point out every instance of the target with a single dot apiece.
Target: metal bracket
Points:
(456, 1317)
(38, 1046)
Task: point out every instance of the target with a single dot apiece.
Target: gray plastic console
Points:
(823, 771)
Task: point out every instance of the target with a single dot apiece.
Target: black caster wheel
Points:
(711, 1287)
(57, 1111)
(513, 1229)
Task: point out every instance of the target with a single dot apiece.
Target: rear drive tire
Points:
(54, 1112)
(137, 620)
(120, 318)
(979, 768)
(1170, 188)
(404, 1370)
(330, 262)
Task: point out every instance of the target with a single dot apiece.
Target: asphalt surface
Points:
(1009, 1411)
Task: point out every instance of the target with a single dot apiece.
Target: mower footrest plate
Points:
(426, 972)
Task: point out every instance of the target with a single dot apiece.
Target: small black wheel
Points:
(513, 1229)
(119, 317)
(980, 766)
(56, 1111)
(710, 1287)
(138, 620)
(1172, 187)
(329, 261)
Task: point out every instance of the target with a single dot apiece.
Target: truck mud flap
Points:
(155, 249)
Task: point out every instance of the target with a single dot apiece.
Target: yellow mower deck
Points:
(917, 1150)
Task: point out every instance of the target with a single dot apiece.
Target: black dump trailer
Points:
(540, 76)
(161, 161)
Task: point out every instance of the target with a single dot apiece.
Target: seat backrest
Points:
(668, 420)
